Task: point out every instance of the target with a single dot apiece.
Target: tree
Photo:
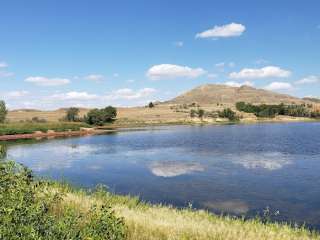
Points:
(228, 113)
(72, 114)
(151, 105)
(201, 113)
(3, 111)
(101, 116)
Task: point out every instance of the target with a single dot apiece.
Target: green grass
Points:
(27, 128)
(34, 209)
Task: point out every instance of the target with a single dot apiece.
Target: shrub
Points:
(151, 105)
(72, 114)
(38, 120)
(101, 116)
(228, 113)
(30, 210)
(3, 111)
(197, 113)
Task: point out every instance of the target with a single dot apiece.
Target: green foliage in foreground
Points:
(270, 111)
(31, 127)
(3, 111)
(31, 210)
(101, 116)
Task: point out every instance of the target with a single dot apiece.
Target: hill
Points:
(215, 93)
(314, 100)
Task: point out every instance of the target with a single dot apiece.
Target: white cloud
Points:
(47, 82)
(170, 71)
(116, 75)
(178, 44)
(229, 30)
(84, 96)
(278, 86)
(308, 80)
(220, 65)
(237, 84)
(3, 65)
(231, 64)
(256, 73)
(95, 77)
(16, 94)
(129, 94)
(3, 72)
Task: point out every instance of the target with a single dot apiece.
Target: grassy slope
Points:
(151, 222)
(25, 128)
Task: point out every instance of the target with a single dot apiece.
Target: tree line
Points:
(270, 111)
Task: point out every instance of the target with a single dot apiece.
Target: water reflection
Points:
(264, 160)
(230, 169)
(172, 169)
(237, 207)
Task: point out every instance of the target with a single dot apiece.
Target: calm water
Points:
(238, 169)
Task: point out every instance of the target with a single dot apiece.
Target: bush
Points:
(151, 105)
(197, 113)
(228, 113)
(3, 111)
(72, 114)
(101, 116)
(30, 210)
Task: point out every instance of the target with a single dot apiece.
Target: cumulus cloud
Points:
(222, 65)
(308, 80)
(256, 73)
(47, 82)
(95, 77)
(3, 72)
(129, 94)
(74, 96)
(278, 86)
(3, 65)
(171, 71)
(16, 94)
(224, 31)
(237, 84)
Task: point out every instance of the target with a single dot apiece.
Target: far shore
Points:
(137, 125)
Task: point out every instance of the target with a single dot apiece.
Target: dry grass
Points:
(155, 222)
(135, 116)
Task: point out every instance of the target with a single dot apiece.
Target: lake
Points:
(233, 169)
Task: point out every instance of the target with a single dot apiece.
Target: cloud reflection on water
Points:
(229, 206)
(172, 169)
(265, 160)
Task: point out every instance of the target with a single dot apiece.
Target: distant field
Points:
(161, 114)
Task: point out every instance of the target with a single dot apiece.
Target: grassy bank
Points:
(31, 127)
(32, 209)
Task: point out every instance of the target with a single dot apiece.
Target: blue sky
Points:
(95, 53)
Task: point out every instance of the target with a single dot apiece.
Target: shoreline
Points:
(132, 126)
